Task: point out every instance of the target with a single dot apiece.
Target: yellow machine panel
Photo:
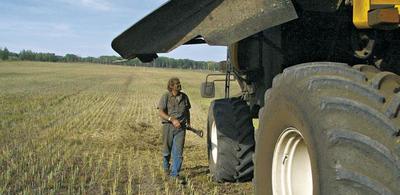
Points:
(376, 13)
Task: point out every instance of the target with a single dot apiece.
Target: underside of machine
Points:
(313, 37)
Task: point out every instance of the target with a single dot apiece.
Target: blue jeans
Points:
(173, 141)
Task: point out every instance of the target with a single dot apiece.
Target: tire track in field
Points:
(145, 138)
(139, 114)
(148, 111)
(125, 121)
(124, 106)
(94, 119)
(133, 112)
(106, 120)
(114, 122)
(143, 133)
(136, 114)
(129, 121)
(134, 108)
(105, 117)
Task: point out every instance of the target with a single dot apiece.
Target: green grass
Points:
(94, 129)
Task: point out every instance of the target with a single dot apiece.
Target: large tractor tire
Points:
(230, 140)
(327, 128)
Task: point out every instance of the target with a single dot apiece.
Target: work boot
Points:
(181, 180)
(166, 172)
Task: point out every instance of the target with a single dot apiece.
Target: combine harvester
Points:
(321, 76)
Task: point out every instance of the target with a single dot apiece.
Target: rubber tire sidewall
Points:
(286, 112)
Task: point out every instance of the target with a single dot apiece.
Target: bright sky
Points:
(82, 27)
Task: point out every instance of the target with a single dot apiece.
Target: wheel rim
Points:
(291, 166)
(214, 142)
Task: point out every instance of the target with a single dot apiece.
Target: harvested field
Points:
(94, 129)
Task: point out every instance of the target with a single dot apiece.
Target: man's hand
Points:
(176, 123)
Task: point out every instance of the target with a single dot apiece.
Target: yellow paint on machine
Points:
(360, 13)
(385, 2)
(362, 7)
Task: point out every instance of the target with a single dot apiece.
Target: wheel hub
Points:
(291, 166)
(214, 142)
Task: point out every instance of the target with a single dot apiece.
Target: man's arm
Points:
(172, 119)
(188, 119)
(163, 115)
(188, 111)
(163, 106)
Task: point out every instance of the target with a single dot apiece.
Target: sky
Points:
(81, 27)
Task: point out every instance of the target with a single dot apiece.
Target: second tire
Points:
(230, 140)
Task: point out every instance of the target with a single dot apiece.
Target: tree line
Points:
(163, 62)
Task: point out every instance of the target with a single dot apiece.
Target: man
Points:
(175, 117)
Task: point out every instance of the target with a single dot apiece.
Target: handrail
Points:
(219, 74)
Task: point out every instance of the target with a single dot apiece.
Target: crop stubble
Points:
(94, 129)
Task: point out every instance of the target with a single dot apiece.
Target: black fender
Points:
(216, 22)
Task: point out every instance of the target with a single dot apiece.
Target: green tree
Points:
(26, 55)
(71, 58)
(5, 54)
